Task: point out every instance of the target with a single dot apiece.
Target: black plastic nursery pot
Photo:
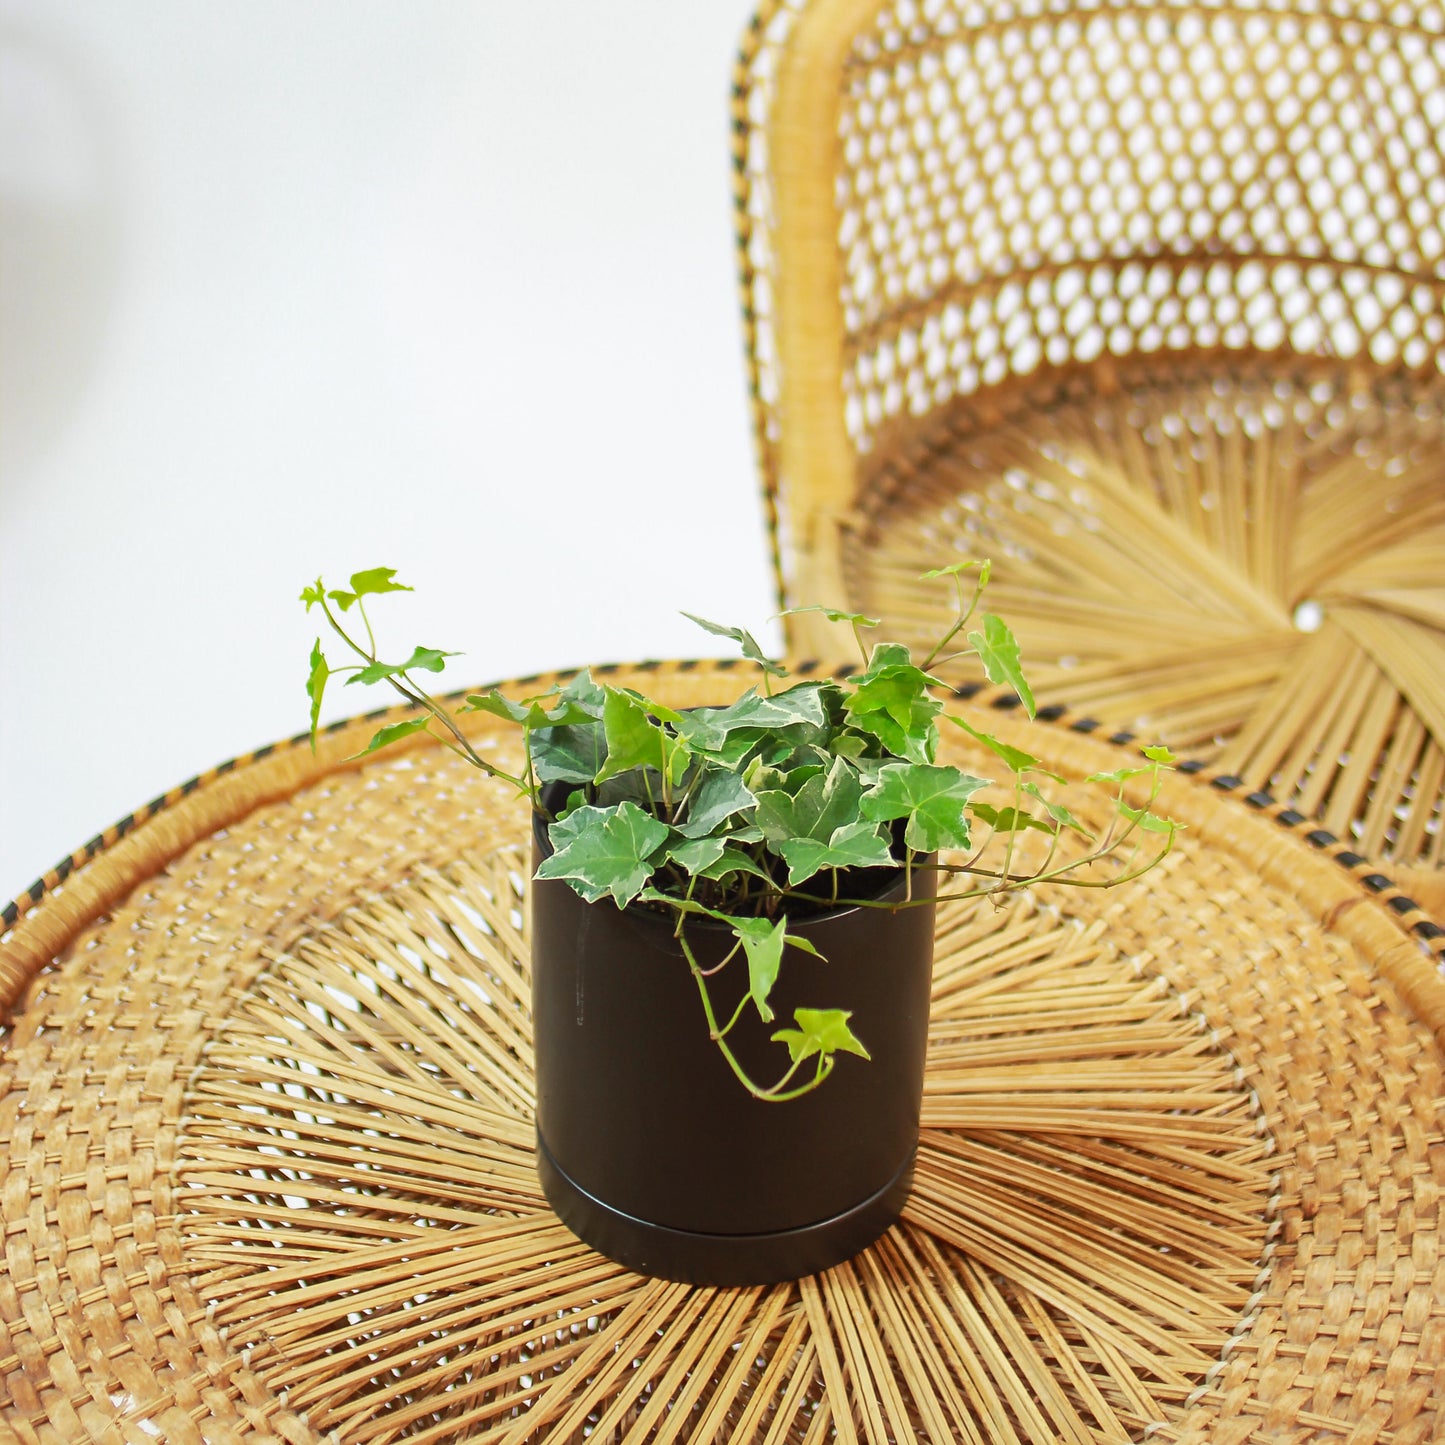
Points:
(648, 1146)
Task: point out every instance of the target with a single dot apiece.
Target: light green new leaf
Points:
(998, 650)
(1017, 759)
(1149, 822)
(314, 596)
(606, 850)
(1009, 820)
(391, 733)
(834, 614)
(745, 640)
(820, 1031)
(823, 804)
(373, 581)
(859, 845)
(1119, 775)
(933, 799)
(635, 741)
(1057, 811)
(427, 659)
(1158, 753)
(984, 565)
(316, 685)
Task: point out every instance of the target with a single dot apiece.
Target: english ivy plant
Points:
(768, 809)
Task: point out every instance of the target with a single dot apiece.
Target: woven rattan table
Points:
(268, 1172)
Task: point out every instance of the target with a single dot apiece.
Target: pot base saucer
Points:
(720, 1259)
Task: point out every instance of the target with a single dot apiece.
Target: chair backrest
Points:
(964, 204)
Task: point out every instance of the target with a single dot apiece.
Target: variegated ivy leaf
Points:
(425, 659)
(891, 701)
(820, 1031)
(834, 614)
(568, 754)
(934, 800)
(998, 650)
(530, 714)
(708, 729)
(605, 850)
(858, 845)
(733, 860)
(694, 855)
(824, 803)
(718, 796)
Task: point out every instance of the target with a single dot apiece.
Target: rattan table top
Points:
(266, 1092)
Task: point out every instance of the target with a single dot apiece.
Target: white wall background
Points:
(293, 288)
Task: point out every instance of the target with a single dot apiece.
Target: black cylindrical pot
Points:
(652, 1151)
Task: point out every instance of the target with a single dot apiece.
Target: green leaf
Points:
(1017, 759)
(707, 728)
(314, 596)
(392, 732)
(891, 701)
(733, 860)
(376, 580)
(316, 685)
(635, 741)
(695, 855)
(568, 754)
(530, 714)
(1119, 775)
(820, 1031)
(745, 640)
(859, 845)
(605, 850)
(984, 565)
(1149, 822)
(833, 614)
(998, 650)
(1158, 753)
(425, 658)
(762, 941)
(824, 803)
(1057, 811)
(933, 799)
(1009, 820)
(719, 796)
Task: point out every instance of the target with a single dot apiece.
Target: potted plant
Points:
(732, 922)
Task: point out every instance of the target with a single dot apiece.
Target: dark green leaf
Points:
(824, 803)
(316, 685)
(820, 1031)
(998, 650)
(605, 851)
(933, 800)
(425, 658)
(568, 754)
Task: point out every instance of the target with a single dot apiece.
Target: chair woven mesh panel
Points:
(1146, 303)
(269, 1171)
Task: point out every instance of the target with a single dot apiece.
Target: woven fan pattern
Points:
(1148, 304)
(269, 1162)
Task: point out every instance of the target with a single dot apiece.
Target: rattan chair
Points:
(1143, 301)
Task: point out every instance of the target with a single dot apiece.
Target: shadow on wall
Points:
(60, 240)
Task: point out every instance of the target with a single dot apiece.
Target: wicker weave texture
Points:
(1147, 302)
(269, 1169)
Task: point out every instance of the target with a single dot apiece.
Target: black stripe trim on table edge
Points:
(1001, 698)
